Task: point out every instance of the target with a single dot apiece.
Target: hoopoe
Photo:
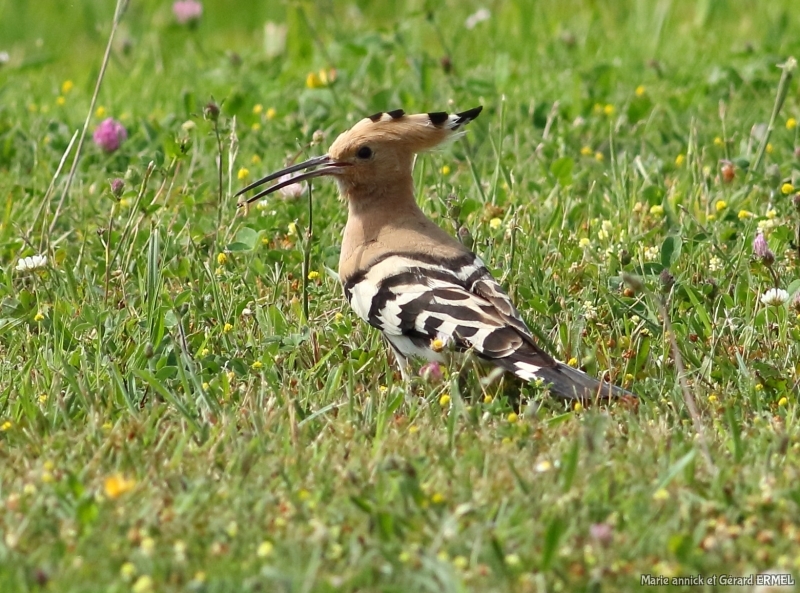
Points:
(406, 276)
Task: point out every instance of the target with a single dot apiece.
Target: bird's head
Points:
(375, 152)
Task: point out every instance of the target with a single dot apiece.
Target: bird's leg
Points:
(405, 369)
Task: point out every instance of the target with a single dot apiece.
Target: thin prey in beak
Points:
(327, 164)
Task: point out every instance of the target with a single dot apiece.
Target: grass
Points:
(171, 419)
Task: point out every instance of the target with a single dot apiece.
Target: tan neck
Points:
(389, 220)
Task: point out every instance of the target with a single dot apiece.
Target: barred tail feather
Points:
(564, 381)
(571, 383)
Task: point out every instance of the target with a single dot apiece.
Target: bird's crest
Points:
(418, 132)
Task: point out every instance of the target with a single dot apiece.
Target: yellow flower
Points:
(66, 86)
(745, 214)
(487, 399)
(255, 127)
(495, 223)
(586, 151)
(227, 327)
(100, 112)
(437, 498)
(413, 429)
(243, 173)
(578, 407)
(598, 156)
(313, 81)
(460, 562)
(771, 214)
(264, 549)
(661, 494)
(512, 417)
(640, 91)
(721, 205)
(608, 109)
(791, 123)
(573, 362)
(144, 584)
(711, 217)
(222, 259)
(719, 142)
(712, 399)
(313, 275)
(292, 228)
(5, 426)
(271, 113)
(206, 386)
(512, 559)
(584, 242)
(657, 210)
(232, 529)
(759, 387)
(147, 546)
(127, 570)
(629, 377)
(199, 577)
(783, 402)
(38, 317)
(787, 188)
(256, 365)
(61, 100)
(445, 170)
(204, 352)
(437, 345)
(680, 159)
(255, 159)
(117, 485)
(444, 401)
(770, 148)
(257, 108)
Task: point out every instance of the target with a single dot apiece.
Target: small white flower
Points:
(295, 190)
(481, 15)
(651, 253)
(4, 57)
(246, 312)
(31, 263)
(589, 311)
(775, 297)
(714, 264)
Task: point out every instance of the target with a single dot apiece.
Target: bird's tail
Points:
(570, 383)
(563, 380)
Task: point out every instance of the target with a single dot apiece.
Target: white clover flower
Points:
(589, 311)
(775, 297)
(477, 17)
(31, 263)
(295, 190)
(714, 264)
(651, 253)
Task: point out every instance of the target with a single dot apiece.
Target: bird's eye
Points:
(364, 152)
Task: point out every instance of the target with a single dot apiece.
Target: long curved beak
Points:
(327, 167)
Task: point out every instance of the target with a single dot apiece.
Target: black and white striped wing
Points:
(415, 300)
